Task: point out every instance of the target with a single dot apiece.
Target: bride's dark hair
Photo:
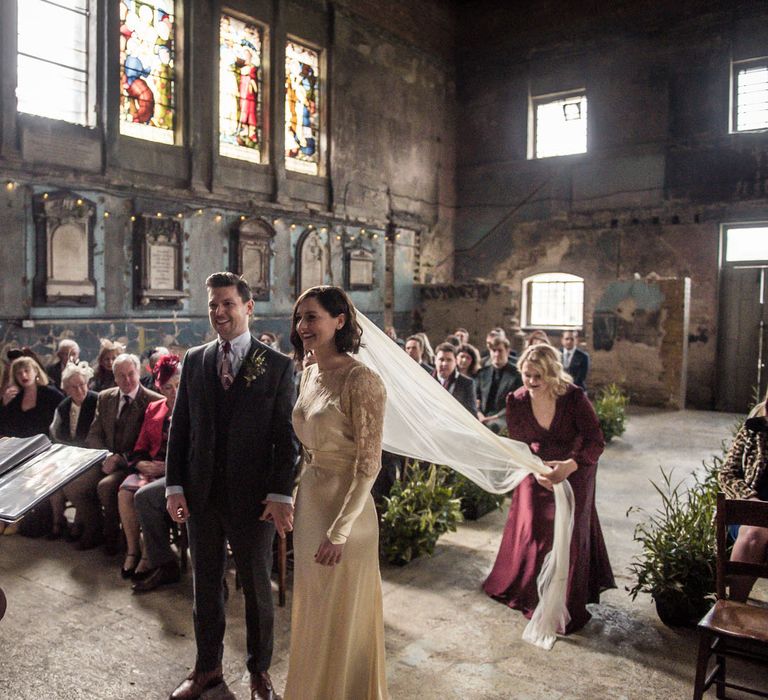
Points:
(335, 301)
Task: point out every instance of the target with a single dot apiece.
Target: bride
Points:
(337, 631)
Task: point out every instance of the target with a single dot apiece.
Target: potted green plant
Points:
(475, 502)
(611, 408)
(676, 565)
(417, 511)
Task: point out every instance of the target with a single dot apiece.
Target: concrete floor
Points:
(73, 629)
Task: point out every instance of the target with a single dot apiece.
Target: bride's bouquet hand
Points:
(328, 554)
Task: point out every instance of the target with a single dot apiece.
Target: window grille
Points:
(750, 95)
(553, 299)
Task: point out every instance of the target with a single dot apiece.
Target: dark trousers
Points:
(251, 545)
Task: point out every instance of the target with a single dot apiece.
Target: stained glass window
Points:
(302, 116)
(53, 61)
(240, 89)
(147, 105)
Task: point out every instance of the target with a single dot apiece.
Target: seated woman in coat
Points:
(71, 421)
(744, 474)
(148, 459)
(28, 402)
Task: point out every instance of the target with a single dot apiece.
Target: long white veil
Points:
(425, 422)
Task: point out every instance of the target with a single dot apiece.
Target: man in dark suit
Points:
(575, 360)
(229, 476)
(415, 348)
(116, 425)
(447, 373)
(494, 382)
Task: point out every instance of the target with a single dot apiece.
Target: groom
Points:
(229, 477)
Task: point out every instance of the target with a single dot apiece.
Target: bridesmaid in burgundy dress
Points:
(557, 421)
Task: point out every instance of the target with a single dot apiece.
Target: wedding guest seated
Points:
(119, 416)
(152, 356)
(485, 354)
(575, 360)
(447, 373)
(67, 352)
(414, 346)
(28, 403)
(26, 351)
(71, 423)
(429, 353)
(148, 461)
(463, 335)
(103, 377)
(494, 383)
(270, 339)
(744, 475)
(468, 359)
(536, 337)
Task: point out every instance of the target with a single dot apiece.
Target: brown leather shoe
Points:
(161, 576)
(196, 683)
(261, 687)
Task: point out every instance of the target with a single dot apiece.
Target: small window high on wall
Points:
(749, 95)
(558, 125)
(746, 243)
(553, 299)
(241, 89)
(147, 80)
(302, 101)
(54, 61)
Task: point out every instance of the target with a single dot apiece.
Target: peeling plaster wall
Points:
(661, 173)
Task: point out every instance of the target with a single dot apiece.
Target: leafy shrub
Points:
(677, 563)
(475, 502)
(417, 511)
(611, 408)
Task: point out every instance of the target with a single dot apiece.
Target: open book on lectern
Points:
(31, 469)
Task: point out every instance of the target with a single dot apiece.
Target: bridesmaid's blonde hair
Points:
(546, 360)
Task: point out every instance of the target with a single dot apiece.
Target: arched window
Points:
(553, 299)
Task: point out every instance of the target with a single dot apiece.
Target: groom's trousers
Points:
(251, 544)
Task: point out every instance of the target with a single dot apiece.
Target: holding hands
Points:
(281, 514)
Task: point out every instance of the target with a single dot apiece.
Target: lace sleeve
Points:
(363, 401)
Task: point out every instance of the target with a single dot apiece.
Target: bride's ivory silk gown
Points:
(337, 626)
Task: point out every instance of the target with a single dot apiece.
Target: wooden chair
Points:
(732, 629)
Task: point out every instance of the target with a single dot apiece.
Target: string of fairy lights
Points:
(346, 232)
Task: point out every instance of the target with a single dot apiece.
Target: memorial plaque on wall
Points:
(64, 250)
(312, 261)
(251, 255)
(158, 252)
(359, 264)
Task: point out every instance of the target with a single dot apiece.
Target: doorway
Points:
(743, 332)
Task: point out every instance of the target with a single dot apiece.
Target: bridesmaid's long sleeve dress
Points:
(574, 433)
